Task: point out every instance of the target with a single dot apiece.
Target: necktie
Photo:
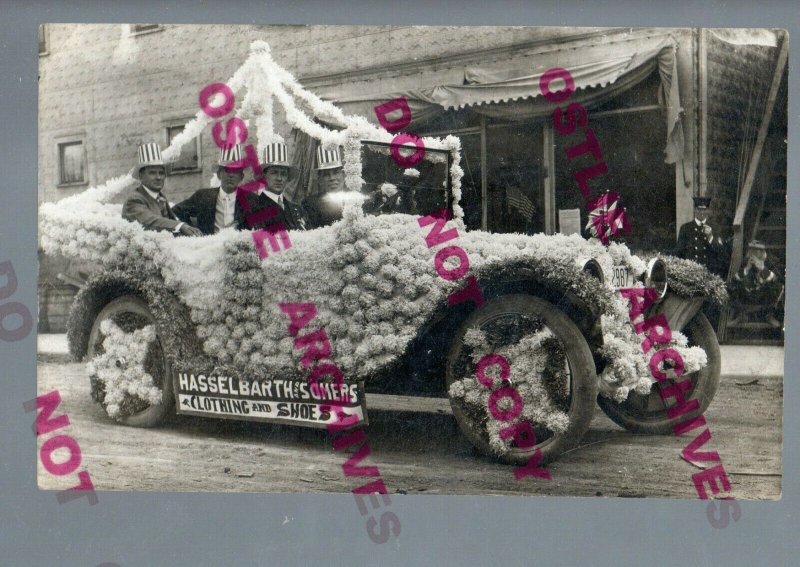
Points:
(164, 207)
(280, 201)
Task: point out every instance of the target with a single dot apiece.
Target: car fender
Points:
(178, 333)
(510, 278)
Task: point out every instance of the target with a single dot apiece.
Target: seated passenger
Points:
(756, 290)
(268, 206)
(389, 199)
(147, 205)
(325, 207)
(214, 209)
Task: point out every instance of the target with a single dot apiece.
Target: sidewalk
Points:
(52, 344)
(752, 360)
(742, 360)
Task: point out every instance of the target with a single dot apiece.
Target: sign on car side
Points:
(270, 400)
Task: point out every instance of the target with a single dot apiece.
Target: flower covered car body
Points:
(521, 333)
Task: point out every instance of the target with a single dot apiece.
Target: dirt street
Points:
(416, 453)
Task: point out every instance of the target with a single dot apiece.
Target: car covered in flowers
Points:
(207, 326)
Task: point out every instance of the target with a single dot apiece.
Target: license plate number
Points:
(620, 277)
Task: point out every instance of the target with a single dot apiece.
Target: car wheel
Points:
(508, 319)
(131, 313)
(648, 413)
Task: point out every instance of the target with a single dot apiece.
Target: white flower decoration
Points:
(121, 366)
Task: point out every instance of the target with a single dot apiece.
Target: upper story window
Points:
(71, 163)
(189, 160)
(43, 47)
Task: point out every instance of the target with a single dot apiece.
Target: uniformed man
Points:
(268, 206)
(325, 206)
(696, 240)
(147, 205)
(214, 209)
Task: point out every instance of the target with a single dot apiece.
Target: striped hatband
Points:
(149, 154)
(230, 155)
(275, 154)
(328, 159)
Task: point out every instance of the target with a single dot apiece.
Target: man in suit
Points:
(696, 240)
(147, 205)
(214, 209)
(268, 206)
(323, 208)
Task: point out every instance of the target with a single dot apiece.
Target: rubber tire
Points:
(584, 382)
(155, 414)
(705, 383)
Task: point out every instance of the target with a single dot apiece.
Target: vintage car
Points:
(416, 312)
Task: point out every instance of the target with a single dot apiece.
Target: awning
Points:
(510, 89)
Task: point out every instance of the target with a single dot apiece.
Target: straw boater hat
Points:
(328, 159)
(275, 154)
(229, 155)
(149, 154)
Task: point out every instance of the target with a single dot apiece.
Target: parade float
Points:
(406, 307)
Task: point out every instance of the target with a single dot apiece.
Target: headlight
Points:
(592, 268)
(656, 276)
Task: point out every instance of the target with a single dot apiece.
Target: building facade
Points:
(676, 113)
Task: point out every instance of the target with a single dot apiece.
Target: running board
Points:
(390, 402)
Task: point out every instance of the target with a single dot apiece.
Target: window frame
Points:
(181, 123)
(45, 31)
(69, 141)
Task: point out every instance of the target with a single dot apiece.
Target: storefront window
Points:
(514, 174)
(514, 160)
(633, 148)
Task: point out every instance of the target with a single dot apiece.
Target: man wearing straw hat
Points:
(276, 167)
(325, 207)
(147, 205)
(756, 290)
(214, 209)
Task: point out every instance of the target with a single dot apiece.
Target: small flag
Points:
(518, 200)
(605, 217)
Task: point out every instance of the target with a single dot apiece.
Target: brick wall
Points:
(55, 302)
(113, 90)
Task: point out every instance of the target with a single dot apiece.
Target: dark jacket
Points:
(693, 244)
(145, 210)
(200, 209)
(752, 286)
(265, 212)
(321, 211)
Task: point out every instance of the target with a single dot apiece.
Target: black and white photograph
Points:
(412, 260)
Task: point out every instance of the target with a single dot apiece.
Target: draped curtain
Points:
(299, 185)
(510, 89)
